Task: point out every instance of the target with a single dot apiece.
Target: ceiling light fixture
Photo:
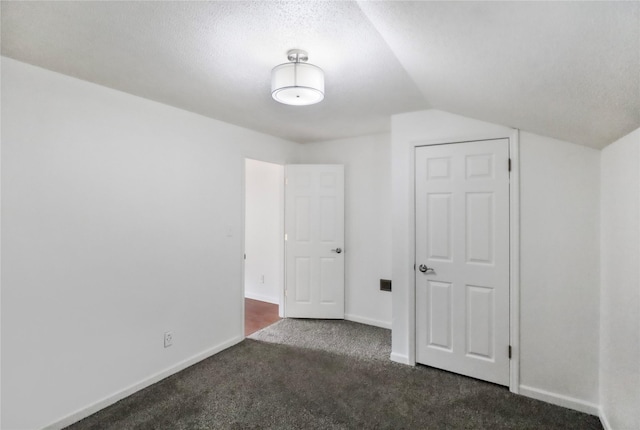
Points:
(297, 83)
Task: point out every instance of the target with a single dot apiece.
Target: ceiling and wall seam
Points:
(567, 70)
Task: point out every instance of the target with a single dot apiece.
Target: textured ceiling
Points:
(569, 70)
(565, 70)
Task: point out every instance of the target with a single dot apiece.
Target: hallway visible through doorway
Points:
(258, 315)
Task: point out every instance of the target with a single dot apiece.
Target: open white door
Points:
(314, 234)
(462, 258)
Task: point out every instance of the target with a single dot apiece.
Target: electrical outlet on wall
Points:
(168, 339)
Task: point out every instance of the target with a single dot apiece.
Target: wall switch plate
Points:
(168, 339)
(385, 284)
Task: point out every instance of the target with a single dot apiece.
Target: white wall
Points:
(121, 219)
(620, 295)
(559, 254)
(559, 270)
(264, 218)
(367, 221)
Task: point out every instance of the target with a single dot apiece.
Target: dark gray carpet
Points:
(309, 374)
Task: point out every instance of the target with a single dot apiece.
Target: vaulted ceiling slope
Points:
(566, 70)
(569, 70)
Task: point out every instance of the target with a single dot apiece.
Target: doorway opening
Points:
(263, 244)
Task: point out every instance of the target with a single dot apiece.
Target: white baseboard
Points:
(115, 397)
(400, 358)
(560, 400)
(367, 321)
(604, 420)
(261, 297)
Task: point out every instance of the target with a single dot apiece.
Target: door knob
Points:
(337, 250)
(425, 269)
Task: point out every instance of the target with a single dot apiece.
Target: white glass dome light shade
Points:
(297, 84)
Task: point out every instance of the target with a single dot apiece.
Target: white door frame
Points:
(514, 248)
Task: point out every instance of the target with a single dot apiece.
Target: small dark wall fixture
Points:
(385, 284)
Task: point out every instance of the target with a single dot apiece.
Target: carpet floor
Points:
(314, 374)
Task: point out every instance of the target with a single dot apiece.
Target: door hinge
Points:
(509, 164)
(509, 352)
(286, 181)
(285, 293)
(245, 256)
(414, 267)
(285, 237)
